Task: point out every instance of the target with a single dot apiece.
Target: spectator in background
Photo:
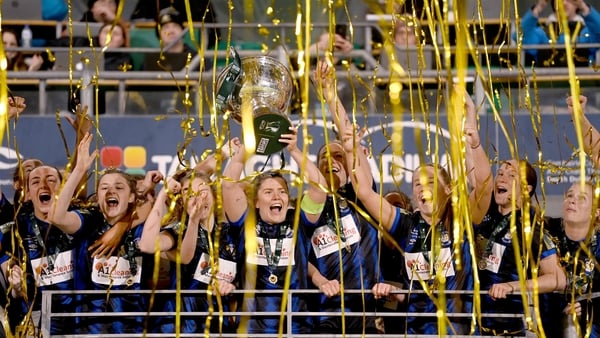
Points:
(349, 87)
(402, 48)
(201, 12)
(404, 32)
(104, 11)
(170, 30)
(114, 37)
(16, 60)
(584, 21)
(55, 10)
(175, 51)
(340, 43)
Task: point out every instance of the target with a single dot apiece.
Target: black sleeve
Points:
(7, 210)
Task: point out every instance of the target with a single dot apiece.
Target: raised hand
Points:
(15, 279)
(152, 178)
(16, 105)
(237, 149)
(323, 76)
(291, 139)
(570, 105)
(81, 124)
(471, 130)
(84, 158)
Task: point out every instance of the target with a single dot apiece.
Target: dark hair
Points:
(262, 177)
(326, 145)
(530, 174)
(19, 194)
(58, 172)
(19, 175)
(91, 3)
(18, 62)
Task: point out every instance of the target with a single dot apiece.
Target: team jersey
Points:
(357, 248)
(420, 267)
(582, 280)
(198, 274)
(497, 264)
(122, 271)
(49, 256)
(276, 250)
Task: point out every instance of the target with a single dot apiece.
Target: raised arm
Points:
(314, 197)
(235, 202)
(591, 136)
(145, 195)
(362, 180)
(190, 238)
(478, 165)
(324, 81)
(82, 125)
(69, 221)
(16, 105)
(152, 238)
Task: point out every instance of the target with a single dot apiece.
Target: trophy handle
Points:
(230, 87)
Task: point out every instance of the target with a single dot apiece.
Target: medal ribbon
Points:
(38, 235)
(332, 221)
(490, 242)
(204, 245)
(273, 259)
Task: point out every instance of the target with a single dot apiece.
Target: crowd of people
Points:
(582, 19)
(217, 232)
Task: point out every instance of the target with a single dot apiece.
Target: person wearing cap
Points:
(175, 51)
(201, 12)
(170, 31)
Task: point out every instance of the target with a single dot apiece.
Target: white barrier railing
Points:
(47, 315)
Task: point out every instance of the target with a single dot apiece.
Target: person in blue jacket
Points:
(584, 23)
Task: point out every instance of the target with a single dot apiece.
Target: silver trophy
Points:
(264, 85)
